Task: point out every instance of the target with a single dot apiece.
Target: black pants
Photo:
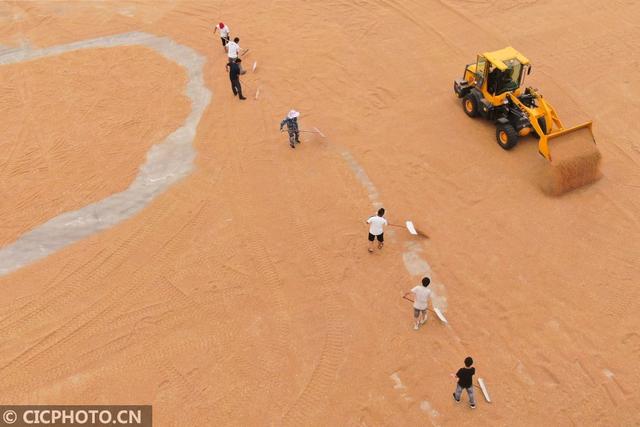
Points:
(236, 87)
(225, 40)
(294, 135)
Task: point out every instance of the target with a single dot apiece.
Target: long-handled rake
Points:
(320, 133)
(412, 229)
(315, 130)
(485, 392)
(435, 310)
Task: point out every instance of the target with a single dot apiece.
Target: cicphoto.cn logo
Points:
(67, 415)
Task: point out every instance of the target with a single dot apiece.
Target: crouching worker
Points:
(292, 127)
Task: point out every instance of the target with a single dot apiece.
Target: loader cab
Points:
(504, 72)
(507, 80)
(486, 84)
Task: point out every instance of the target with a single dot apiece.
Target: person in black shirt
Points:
(235, 70)
(465, 381)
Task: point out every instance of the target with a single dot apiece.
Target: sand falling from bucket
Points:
(575, 163)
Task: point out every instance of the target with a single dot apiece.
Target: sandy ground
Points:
(92, 86)
(244, 295)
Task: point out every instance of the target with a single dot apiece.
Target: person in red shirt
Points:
(224, 33)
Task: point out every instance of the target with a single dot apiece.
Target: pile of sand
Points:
(575, 163)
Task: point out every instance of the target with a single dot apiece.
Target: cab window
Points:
(511, 76)
(481, 69)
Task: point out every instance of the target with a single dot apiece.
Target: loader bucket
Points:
(575, 161)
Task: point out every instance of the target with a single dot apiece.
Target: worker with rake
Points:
(292, 127)
(376, 229)
(235, 69)
(421, 303)
(234, 51)
(224, 34)
(465, 382)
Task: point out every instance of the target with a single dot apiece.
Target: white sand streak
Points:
(415, 265)
(166, 163)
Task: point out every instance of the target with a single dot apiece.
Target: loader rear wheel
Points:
(470, 105)
(506, 136)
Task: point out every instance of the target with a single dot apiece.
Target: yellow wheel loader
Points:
(492, 88)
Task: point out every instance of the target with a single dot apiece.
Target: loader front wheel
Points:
(506, 136)
(470, 105)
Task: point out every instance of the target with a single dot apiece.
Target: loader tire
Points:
(470, 105)
(507, 136)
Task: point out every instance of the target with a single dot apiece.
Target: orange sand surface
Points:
(76, 128)
(244, 295)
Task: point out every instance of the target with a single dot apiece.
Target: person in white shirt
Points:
(376, 229)
(234, 50)
(421, 302)
(224, 33)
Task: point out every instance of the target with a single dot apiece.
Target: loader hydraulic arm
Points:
(553, 126)
(541, 110)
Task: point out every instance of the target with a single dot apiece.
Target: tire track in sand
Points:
(263, 385)
(85, 324)
(100, 316)
(63, 290)
(311, 403)
(188, 311)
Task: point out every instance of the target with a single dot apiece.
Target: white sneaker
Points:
(423, 321)
(416, 327)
